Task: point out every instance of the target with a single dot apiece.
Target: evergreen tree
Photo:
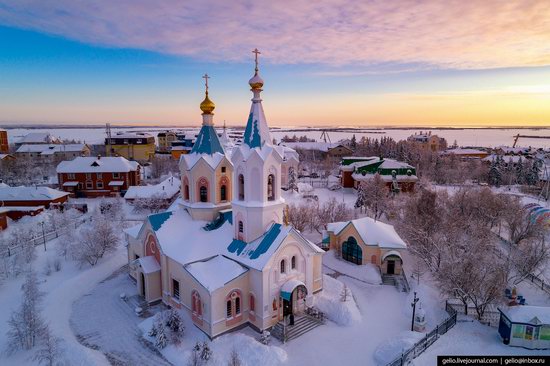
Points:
(206, 353)
(533, 173)
(353, 143)
(161, 339)
(361, 196)
(292, 184)
(520, 173)
(495, 176)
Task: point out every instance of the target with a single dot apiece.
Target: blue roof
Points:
(207, 142)
(252, 133)
(157, 220)
(237, 246)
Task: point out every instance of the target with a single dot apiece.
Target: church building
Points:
(227, 255)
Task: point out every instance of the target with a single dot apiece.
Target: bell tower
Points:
(257, 201)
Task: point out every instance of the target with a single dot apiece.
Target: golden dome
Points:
(207, 106)
(256, 82)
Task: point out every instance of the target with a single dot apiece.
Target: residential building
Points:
(366, 240)
(320, 150)
(98, 176)
(166, 191)
(466, 153)
(137, 146)
(37, 138)
(50, 153)
(225, 256)
(398, 176)
(428, 142)
(31, 196)
(4, 145)
(165, 139)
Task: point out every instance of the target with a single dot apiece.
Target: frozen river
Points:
(464, 137)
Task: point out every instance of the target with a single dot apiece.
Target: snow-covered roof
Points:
(30, 194)
(386, 178)
(213, 160)
(263, 153)
(48, 149)
(133, 231)
(527, 314)
(290, 154)
(91, 164)
(465, 151)
(391, 253)
(319, 146)
(70, 184)
(38, 138)
(507, 158)
(131, 135)
(213, 273)
(167, 189)
(3, 156)
(512, 150)
(372, 232)
(149, 264)
(256, 133)
(116, 183)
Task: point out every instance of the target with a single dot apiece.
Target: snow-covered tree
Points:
(25, 324)
(50, 350)
(495, 175)
(96, 241)
(345, 295)
(360, 202)
(174, 322)
(154, 204)
(292, 180)
(353, 143)
(234, 359)
(206, 352)
(265, 337)
(376, 196)
(161, 340)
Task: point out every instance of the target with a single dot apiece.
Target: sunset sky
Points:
(327, 62)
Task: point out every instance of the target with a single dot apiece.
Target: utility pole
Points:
(413, 304)
(43, 235)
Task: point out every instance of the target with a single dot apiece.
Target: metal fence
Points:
(428, 340)
(539, 283)
(41, 239)
(491, 315)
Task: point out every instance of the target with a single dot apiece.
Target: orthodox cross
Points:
(256, 52)
(206, 77)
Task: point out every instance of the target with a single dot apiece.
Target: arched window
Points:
(293, 262)
(223, 192)
(186, 189)
(241, 227)
(283, 266)
(351, 251)
(229, 312)
(252, 303)
(237, 306)
(241, 187)
(204, 194)
(202, 185)
(271, 187)
(196, 304)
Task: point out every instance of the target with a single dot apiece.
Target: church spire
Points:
(256, 133)
(207, 140)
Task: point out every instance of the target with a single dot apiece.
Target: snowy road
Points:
(101, 320)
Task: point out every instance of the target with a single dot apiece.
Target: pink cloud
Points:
(446, 34)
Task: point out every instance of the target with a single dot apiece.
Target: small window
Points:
(223, 169)
(99, 184)
(99, 176)
(89, 185)
(116, 175)
(186, 192)
(271, 187)
(228, 308)
(223, 193)
(237, 305)
(71, 175)
(203, 194)
(241, 227)
(241, 187)
(293, 262)
(283, 266)
(175, 289)
(252, 303)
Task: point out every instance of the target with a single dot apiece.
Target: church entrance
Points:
(294, 294)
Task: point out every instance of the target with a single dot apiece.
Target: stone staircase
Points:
(389, 280)
(302, 324)
(398, 281)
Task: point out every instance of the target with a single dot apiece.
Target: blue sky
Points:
(54, 73)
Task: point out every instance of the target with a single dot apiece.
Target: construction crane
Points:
(325, 136)
(516, 138)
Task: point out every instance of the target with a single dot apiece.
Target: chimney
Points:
(98, 156)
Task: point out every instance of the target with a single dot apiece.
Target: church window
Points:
(175, 289)
(241, 187)
(351, 251)
(283, 266)
(223, 192)
(237, 305)
(293, 262)
(186, 192)
(228, 309)
(252, 303)
(241, 227)
(271, 187)
(203, 194)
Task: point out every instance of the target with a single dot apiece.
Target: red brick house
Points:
(98, 176)
(31, 196)
(4, 147)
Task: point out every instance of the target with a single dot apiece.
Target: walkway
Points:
(102, 321)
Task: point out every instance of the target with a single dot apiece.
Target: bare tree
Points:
(300, 215)
(234, 359)
(26, 324)
(156, 203)
(376, 196)
(50, 349)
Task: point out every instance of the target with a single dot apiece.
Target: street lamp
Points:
(413, 304)
(43, 235)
